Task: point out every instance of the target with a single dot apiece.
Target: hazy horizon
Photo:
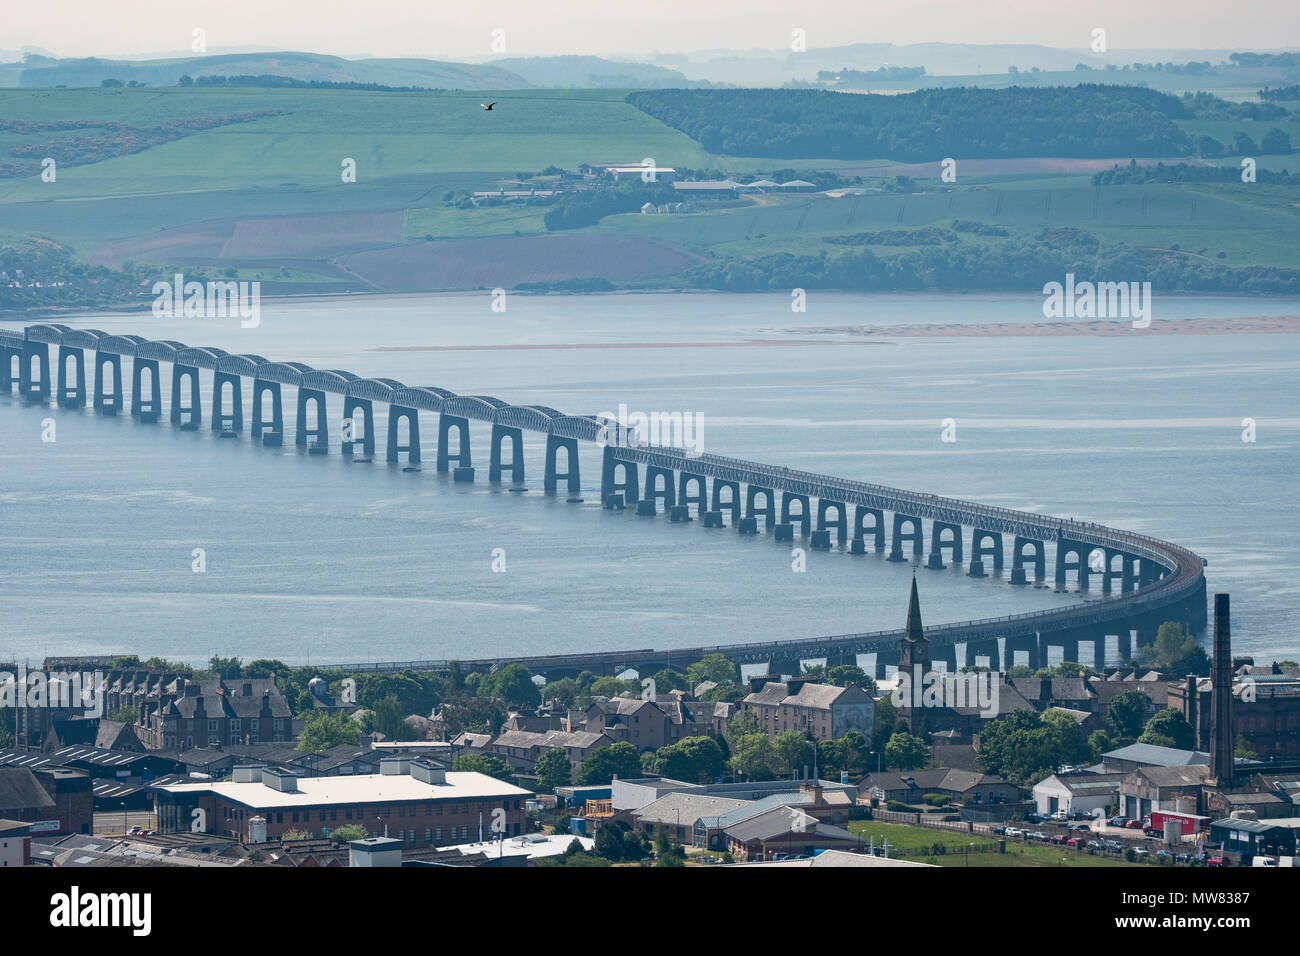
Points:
(137, 28)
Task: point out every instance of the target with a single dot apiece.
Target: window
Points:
(464, 833)
(437, 834)
(279, 724)
(428, 835)
(252, 724)
(235, 725)
(212, 725)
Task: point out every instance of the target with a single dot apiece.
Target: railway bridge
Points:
(1134, 583)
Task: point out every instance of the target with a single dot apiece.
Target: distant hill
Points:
(39, 71)
(593, 72)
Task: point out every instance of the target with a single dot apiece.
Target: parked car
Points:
(1161, 854)
(1074, 842)
(1060, 839)
(1013, 831)
(1113, 846)
(1096, 845)
(1141, 852)
(134, 831)
(1060, 815)
(1038, 835)
(1133, 825)
(1117, 821)
(1081, 827)
(1183, 858)
(1080, 815)
(1000, 829)
(1216, 861)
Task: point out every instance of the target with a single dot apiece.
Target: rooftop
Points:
(365, 788)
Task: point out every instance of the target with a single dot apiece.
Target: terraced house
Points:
(213, 713)
(823, 710)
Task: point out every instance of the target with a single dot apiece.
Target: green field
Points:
(914, 840)
(412, 149)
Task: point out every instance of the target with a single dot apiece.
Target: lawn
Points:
(912, 840)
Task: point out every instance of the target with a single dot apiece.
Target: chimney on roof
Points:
(248, 688)
(1222, 743)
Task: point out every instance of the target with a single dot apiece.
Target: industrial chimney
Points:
(1222, 738)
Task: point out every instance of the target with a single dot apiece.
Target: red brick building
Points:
(414, 801)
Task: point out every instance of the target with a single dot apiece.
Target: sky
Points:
(462, 30)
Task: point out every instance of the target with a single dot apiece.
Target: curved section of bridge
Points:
(1156, 581)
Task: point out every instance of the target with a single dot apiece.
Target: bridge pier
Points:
(841, 522)
(947, 653)
(1072, 556)
(699, 497)
(109, 403)
(938, 544)
(275, 424)
(195, 408)
(146, 409)
(877, 530)
(979, 551)
(912, 535)
(732, 503)
(320, 430)
(74, 395)
(500, 433)
(987, 649)
(659, 483)
(235, 417)
(401, 413)
(804, 517)
(1038, 559)
(358, 425)
(629, 487)
(34, 389)
(570, 475)
(767, 512)
(445, 424)
(1125, 646)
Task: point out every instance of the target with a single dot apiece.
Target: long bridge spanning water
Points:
(1143, 581)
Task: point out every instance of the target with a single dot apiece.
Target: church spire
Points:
(914, 632)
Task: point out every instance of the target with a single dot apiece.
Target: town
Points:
(267, 765)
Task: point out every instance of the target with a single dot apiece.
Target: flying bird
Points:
(489, 105)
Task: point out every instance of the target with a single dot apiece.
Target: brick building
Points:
(414, 801)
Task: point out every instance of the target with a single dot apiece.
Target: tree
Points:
(553, 769)
(1208, 147)
(842, 675)
(666, 854)
(1126, 714)
(712, 667)
(794, 751)
(612, 687)
(513, 684)
(669, 679)
(386, 717)
(227, 668)
(562, 693)
(1243, 145)
(753, 757)
(1072, 747)
(885, 723)
(110, 82)
(693, 759)
(617, 842)
(743, 724)
(186, 80)
(487, 764)
(1275, 141)
(324, 730)
(1099, 742)
(601, 766)
(124, 715)
(723, 693)
(1171, 725)
(349, 832)
(906, 752)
